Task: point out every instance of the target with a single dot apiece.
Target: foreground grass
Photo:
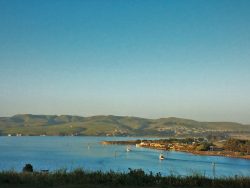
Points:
(134, 178)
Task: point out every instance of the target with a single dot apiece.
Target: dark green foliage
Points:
(135, 177)
(204, 146)
(28, 168)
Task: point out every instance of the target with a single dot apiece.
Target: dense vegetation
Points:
(134, 178)
(237, 145)
(28, 124)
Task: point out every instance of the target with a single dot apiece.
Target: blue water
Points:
(55, 153)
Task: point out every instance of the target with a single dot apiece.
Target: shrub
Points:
(28, 168)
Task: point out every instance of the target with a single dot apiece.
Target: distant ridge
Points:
(29, 124)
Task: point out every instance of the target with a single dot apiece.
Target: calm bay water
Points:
(55, 153)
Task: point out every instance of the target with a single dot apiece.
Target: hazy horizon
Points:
(150, 59)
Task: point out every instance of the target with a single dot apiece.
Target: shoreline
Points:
(137, 143)
(210, 153)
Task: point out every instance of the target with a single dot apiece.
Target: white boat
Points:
(128, 149)
(161, 156)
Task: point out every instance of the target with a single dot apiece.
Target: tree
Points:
(204, 146)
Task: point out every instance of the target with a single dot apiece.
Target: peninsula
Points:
(200, 146)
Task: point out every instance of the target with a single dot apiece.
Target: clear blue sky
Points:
(143, 58)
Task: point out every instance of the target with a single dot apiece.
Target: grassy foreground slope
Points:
(134, 178)
(28, 124)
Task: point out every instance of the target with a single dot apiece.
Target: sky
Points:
(145, 58)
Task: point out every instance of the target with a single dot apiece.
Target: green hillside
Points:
(28, 124)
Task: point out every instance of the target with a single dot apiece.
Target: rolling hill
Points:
(28, 124)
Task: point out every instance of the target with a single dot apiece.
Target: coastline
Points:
(219, 153)
(156, 146)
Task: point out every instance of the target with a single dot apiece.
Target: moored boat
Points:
(161, 156)
(128, 149)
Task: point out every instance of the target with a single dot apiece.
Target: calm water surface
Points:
(54, 153)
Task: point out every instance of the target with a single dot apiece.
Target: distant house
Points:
(213, 148)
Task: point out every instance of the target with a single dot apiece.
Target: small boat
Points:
(128, 149)
(161, 157)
